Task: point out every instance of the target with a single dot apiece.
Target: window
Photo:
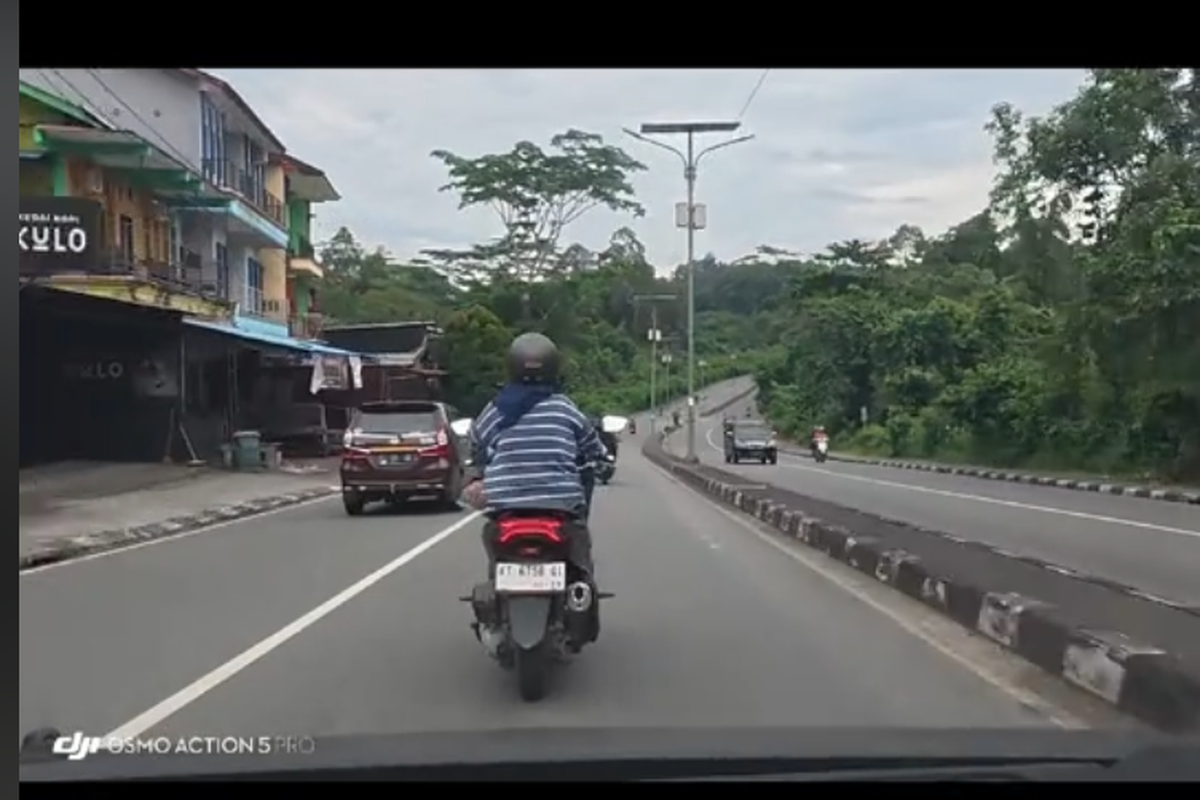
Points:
(212, 141)
(254, 273)
(208, 150)
(125, 234)
(221, 257)
(253, 162)
(174, 248)
(399, 423)
(254, 286)
(148, 239)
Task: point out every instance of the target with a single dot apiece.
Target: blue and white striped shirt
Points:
(534, 464)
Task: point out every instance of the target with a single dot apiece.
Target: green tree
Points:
(1055, 328)
(1022, 336)
(474, 344)
(536, 196)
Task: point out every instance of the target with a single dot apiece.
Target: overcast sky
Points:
(837, 154)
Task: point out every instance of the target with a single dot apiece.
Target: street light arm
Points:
(657, 143)
(719, 145)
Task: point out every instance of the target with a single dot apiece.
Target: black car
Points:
(750, 439)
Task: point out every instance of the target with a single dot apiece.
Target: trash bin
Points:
(247, 446)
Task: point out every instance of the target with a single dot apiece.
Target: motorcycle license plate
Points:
(531, 578)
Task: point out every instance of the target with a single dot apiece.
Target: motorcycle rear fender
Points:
(528, 618)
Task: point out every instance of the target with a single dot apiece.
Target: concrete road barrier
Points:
(1142, 680)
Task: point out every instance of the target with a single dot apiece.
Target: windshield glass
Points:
(752, 432)
(983, 282)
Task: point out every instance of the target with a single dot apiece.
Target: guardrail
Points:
(1142, 680)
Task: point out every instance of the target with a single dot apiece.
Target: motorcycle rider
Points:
(531, 440)
(818, 432)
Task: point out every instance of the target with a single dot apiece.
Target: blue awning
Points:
(263, 337)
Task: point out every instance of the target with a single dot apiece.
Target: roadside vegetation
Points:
(1058, 328)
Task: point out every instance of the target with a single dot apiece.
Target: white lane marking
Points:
(205, 684)
(1132, 523)
(810, 562)
(25, 573)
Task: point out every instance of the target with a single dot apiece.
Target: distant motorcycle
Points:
(605, 469)
(820, 449)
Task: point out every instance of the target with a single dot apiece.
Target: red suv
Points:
(401, 449)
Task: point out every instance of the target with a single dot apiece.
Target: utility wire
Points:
(753, 93)
(60, 85)
(164, 142)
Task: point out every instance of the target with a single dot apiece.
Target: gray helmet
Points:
(533, 358)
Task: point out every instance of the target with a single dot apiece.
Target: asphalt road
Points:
(1144, 543)
(306, 622)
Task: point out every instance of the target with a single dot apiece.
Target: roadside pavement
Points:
(75, 509)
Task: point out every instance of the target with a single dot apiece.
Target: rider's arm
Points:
(483, 433)
(586, 438)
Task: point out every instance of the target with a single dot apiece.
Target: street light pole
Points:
(690, 161)
(666, 360)
(655, 336)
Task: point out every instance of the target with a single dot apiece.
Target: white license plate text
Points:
(531, 578)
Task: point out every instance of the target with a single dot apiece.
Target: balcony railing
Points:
(306, 326)
(252, 300)
(255, 303)
(301, 247)
(184, 273)
(235, 177)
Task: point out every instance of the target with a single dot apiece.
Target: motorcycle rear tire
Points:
(533, 671)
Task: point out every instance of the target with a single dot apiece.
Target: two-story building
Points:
(193, 191)
(68, 152)
(240, 233)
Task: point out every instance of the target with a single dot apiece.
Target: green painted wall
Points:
(300, 293)
(298, 221)
(59, 177)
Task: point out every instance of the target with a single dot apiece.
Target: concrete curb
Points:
(1101, 487)
(117, 538)
(1140, 680)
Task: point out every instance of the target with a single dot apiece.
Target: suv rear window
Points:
(398, 421)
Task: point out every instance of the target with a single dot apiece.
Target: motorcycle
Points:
(820, 450)
(605, 470)
(538, 608)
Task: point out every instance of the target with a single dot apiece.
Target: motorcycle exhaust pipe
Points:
(579, 597)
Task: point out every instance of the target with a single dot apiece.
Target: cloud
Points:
(838, 154)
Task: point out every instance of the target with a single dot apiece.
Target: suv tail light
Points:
(440, 450)
(355, 460)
